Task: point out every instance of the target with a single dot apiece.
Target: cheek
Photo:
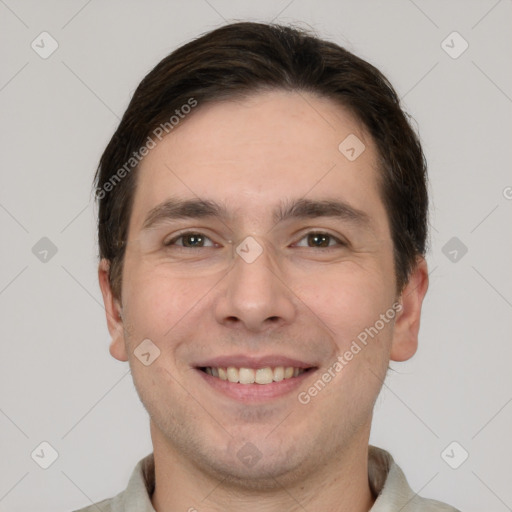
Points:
(347, 300)
(166, 307)
(155, 301)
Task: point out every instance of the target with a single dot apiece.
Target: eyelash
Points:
(172, 242)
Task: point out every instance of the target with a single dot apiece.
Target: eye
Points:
(320, 239)
(194, 240)
(191, 240)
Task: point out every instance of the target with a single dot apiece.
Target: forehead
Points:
(250, 153)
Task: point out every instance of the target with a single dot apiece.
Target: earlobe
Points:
(113, 313)
(118, 349)
(407, 323)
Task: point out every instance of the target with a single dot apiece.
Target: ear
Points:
(113, 313)
(407, 323)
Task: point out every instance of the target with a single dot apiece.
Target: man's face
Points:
(297, 294)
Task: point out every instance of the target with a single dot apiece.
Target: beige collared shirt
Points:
(387, 482)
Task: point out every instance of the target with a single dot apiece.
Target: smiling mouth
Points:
(262, 376)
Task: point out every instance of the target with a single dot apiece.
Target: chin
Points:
(242, 466)
(266, 476)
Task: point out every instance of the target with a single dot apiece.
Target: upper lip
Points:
(245, 361)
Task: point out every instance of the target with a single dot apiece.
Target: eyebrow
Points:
(174, 209)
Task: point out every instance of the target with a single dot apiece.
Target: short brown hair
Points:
(242, 58)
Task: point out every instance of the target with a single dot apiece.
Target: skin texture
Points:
(297, 299)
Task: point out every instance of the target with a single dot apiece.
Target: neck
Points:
(341, 485)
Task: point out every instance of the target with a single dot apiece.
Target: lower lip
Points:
(255, 392)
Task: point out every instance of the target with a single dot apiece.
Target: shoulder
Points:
(393, 492)
(136, 496)
(398, 487)
(101, 506)
(419, 504)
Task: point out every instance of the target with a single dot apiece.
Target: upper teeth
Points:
(250, 376)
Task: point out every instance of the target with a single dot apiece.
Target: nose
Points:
(255, 295)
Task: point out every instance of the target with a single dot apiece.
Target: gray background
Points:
(58, 382)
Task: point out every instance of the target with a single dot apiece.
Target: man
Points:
(262, 232)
